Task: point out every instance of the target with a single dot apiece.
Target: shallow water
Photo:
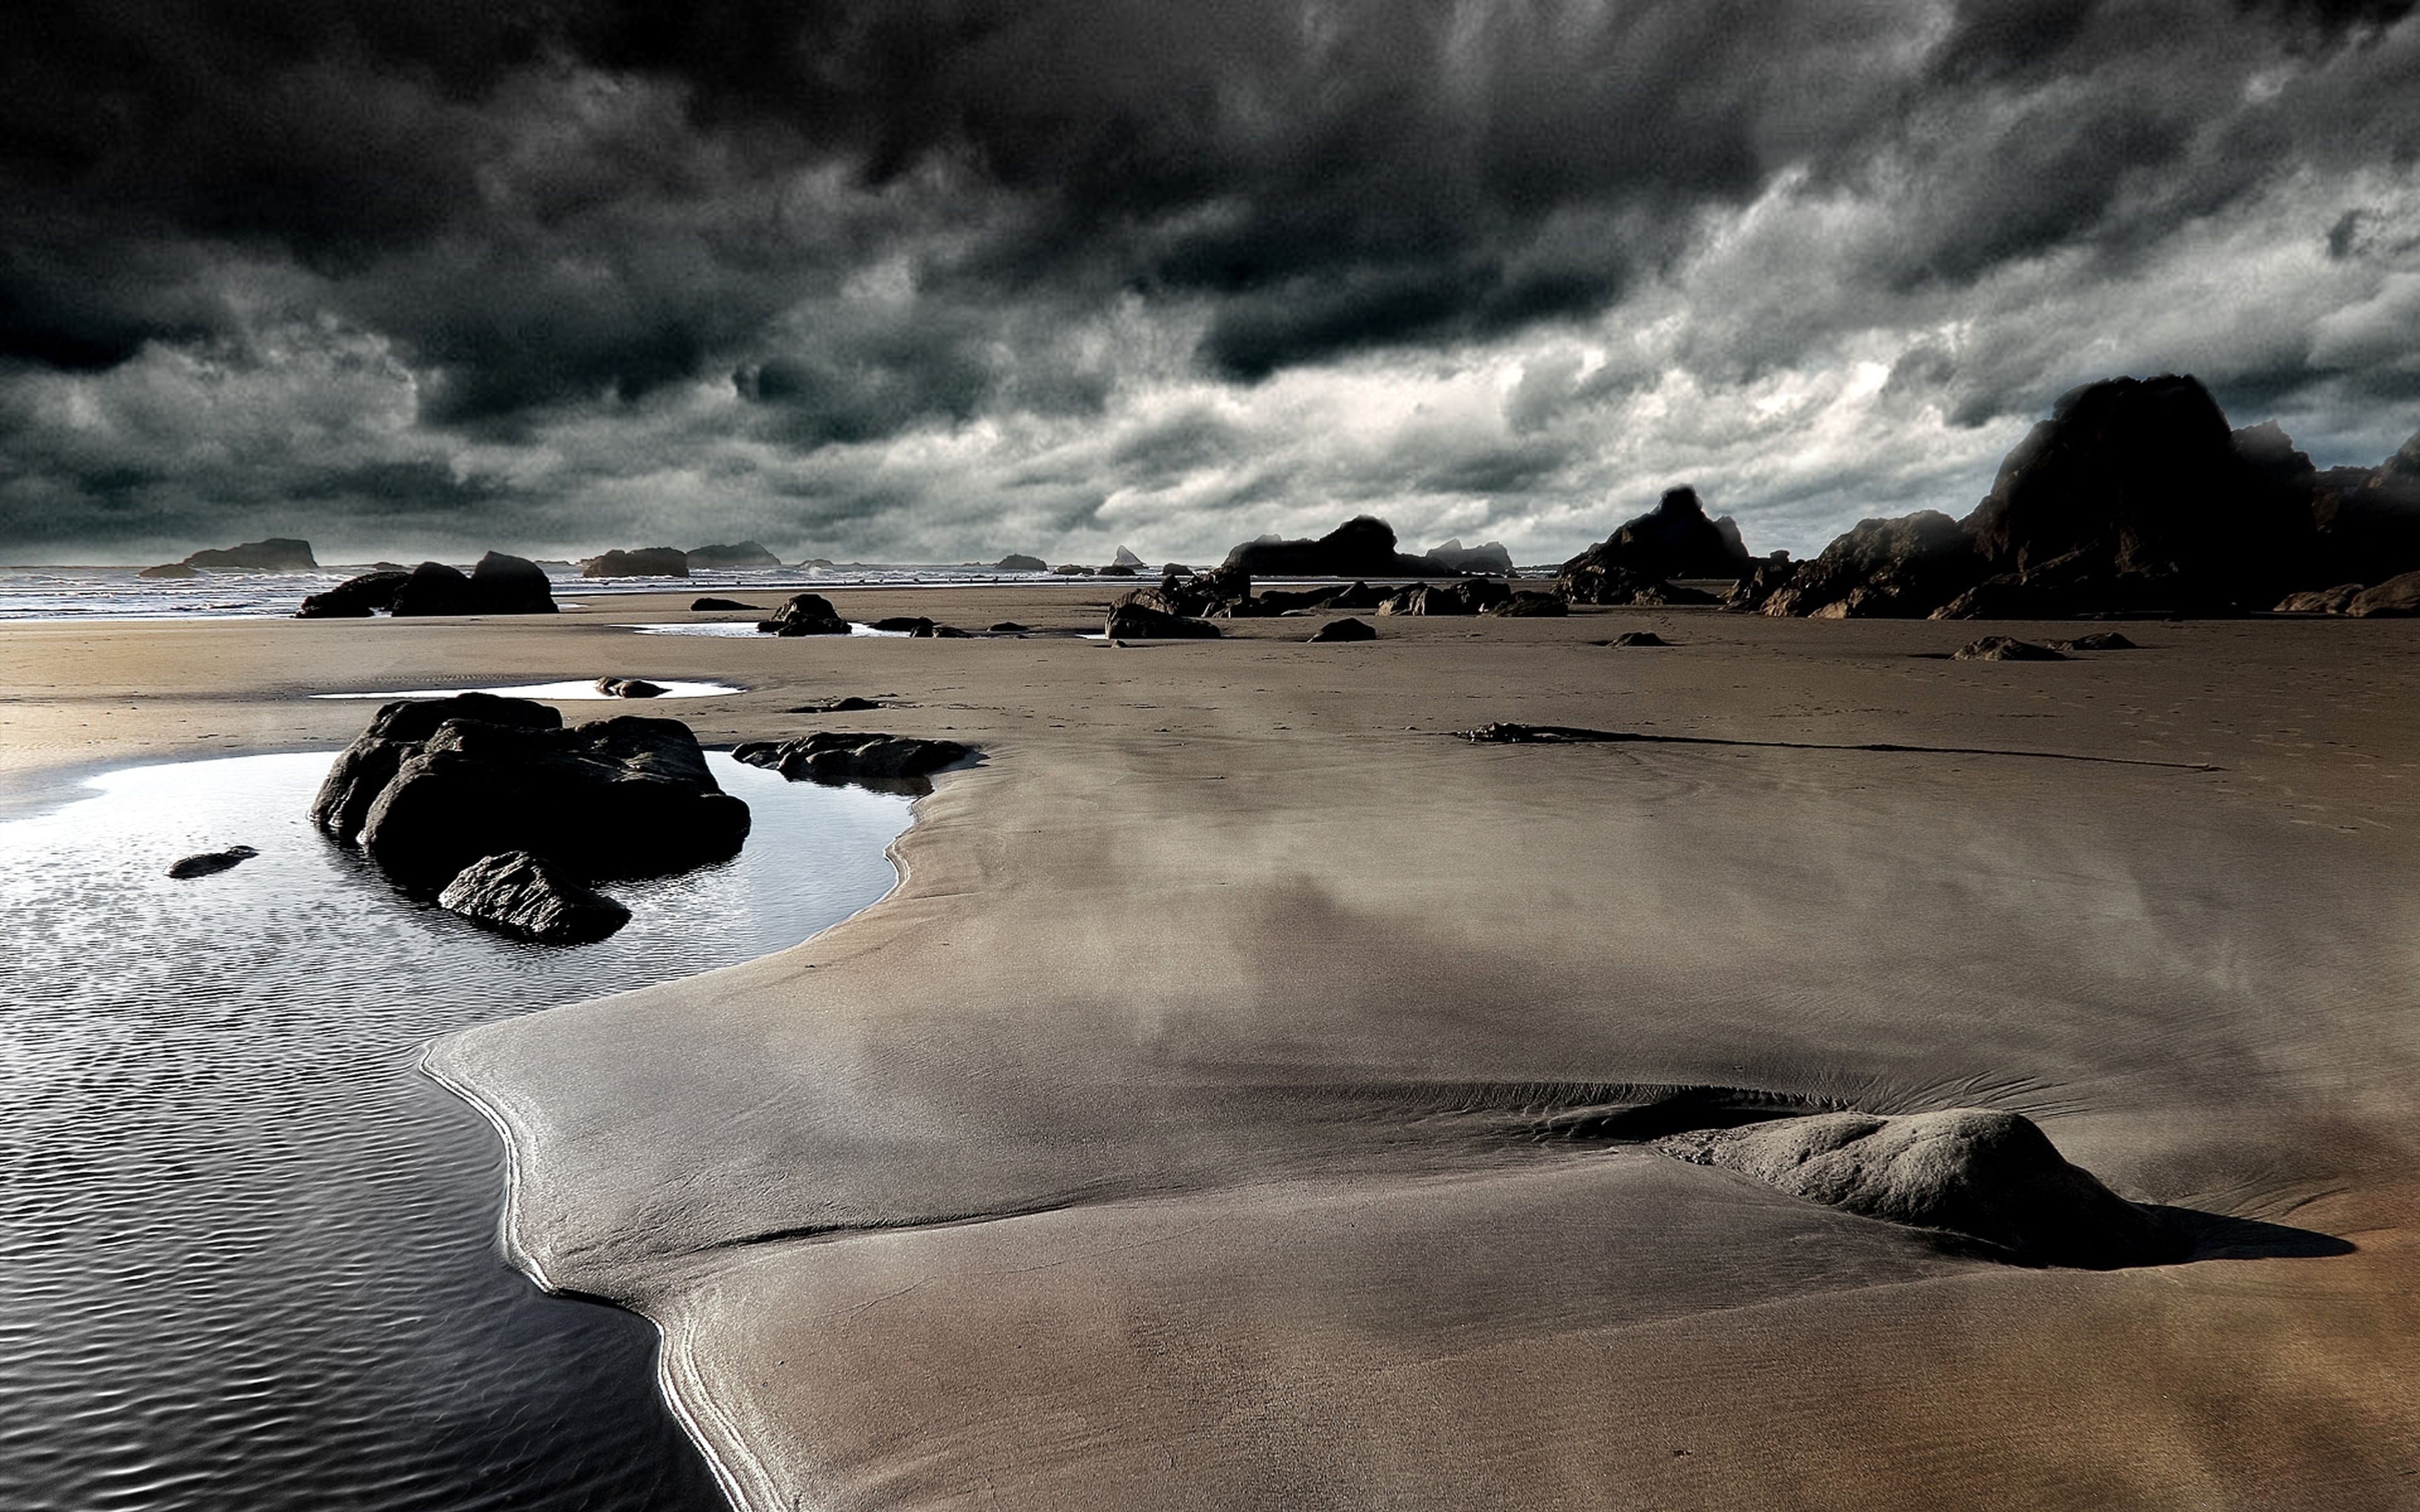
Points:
(558, 693)
(742, 629)
(250, 1251)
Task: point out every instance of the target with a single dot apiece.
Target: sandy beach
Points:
(1187, 1129)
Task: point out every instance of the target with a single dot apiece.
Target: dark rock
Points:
(1675, 539)
(1072, 570)
(804, 615)
(1141, 622)
(1638, 637)
(1491, 559)
(2004, 648)
(499, 584)
(930, 631)
(629, 688)
(1621, 587)
(833, 756)
(901, 623)
(1901, 568)
(851, 704)
(355, 599)
(2319, 600)
(1531, 605)
(171, 569)
(644, 562)
(520, 894)
(736, 557)
(1472, 596)
(1345, 629)
(2399, 598)
(1766, 578)
(1363, 546)
(2097, 640)
(279, 553)
(1008, 627)
(626, 796)
(1015, 562)
(1981, 1175)
(210, 863)
(708, 606)
(1116, 571)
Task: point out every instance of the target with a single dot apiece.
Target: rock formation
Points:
(2397, 596)
(279, 553)
(1675, 539)
(833, 756)
(643, 561)
(1016, 562)
(738, 555)
(1491, 558)
(1472, 596)
(2004, 648)
(499, 584)
(1141, 622)
(521, 895)
(804, 615)
(1527, 606)
(709, 605)
(1363, 546)
(357, 598)
(1127, 560)
(1638, 638)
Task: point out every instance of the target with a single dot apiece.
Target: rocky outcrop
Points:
(432, 786)
(356, 598)
(1017, 562)
(1473, 595)
(1767, 578)
(1622, 587)
(497, 584)
(629, 688)
(1141, 622)
(833, 756)
(1343, 629)
(1529, 606)
(169, 569)
(520, 894)
(1901, 568)
(1675, 539)
(1126, 560)
(1363, 546)
(210, 863)
(1354, 596)
(710, 604)
(2399, 598)
(2004, 648)
(737, 557)
(1985, 1177)
(643, 561)
(804, 615)
(279, 553)
(2319, 600)
(1492, 558)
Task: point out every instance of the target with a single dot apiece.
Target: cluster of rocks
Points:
(833, 757)
(2397, 596)
(434, 787)
(497, 584)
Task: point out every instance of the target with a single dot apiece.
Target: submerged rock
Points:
(930, 631)
(643, 561)
(355, 599)
(1008, 627)
(851, 704)
(210, 863)
(804, 615)
(520, 894)
(1141, 622)
(1979, 1174)
(2004, 648)
(832, 756)
(1343, 629)
(629, 688)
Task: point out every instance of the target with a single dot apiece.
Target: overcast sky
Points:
(940, 279)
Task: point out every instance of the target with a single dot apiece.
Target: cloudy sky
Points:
(940, 279)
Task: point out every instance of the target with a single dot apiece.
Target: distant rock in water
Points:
(1472, 596)
(1363, 546)
(1139, 622)
(644, 562)
(804, 615)
(499, 584)
(839, 756)
(356, 598)
(738, 557)
(210, 863)
(1675, 539)
(1127, 560)
(1016, 562)
(1492, 558)
(518, 894)
(2004, 648)
(1343, 629)
(434, 785)
(170, 569)
(629, 688)
(279, 553)
(1981, 1175)
(708, 606)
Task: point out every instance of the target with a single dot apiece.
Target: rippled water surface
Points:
(248, 1253)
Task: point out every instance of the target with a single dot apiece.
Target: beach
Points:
(1191, 1126)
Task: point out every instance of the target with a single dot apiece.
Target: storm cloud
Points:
(939, 278)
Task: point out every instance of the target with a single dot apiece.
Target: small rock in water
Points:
(518, 894)
(2004, 648)
(1347, 628)
(629, 688)
(210, 863)
(1638, 637)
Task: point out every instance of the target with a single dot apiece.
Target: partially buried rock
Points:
(929, 631)
(629, 688)
(804, 615)
(1345, 629)
(851, 704)
(838, 756)
(1979, 1174)
(899, 624)
(1638, 637)
(1531, 605)
(705, 606)
(355, 599)
(518, 894)
(1137, 621)
(1008, 627)
(2004, 648)
(210, 863)
(2097, 640)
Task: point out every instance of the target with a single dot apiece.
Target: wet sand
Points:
(1173, 1137)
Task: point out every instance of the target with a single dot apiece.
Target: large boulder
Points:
(525, 895)
(1492, 558)
(210, 863)
(355, 599)
(832, 756)
(1141, 622)
(279, 553)
(2397, 596)
(1363, 546)
(804, 615)
(623, 798)
(1675, 539)
(736, 557)
(1901, 568)
(643, 561)
(1981, 1175)
(499, 584)
(1472, 596)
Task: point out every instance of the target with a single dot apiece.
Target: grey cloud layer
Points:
(923, 277)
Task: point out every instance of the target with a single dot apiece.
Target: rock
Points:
(1127, 560)
(1116, 572)
(210, 863)
(1472, 596)
(1675, 539)
(736, 557)
(708, 606)
(1015, 562)
(629, 688)
(1139, 622)
(833, 756)
(851, 704)
(1621, 587)
(170, 569)
(628, 796)
(1345, 629)
(1901, 568)
(1363, 546)
(1638, 637)
(1531, 605)
(1982, 1175)
(279, 553)
(499, 584)
(2399, 598)
(1766, 578)
(355, 599)
(1072, 570)
(2004, 648)
(1008, 627)
(804, 615)
(518, 894)
(2319, 600)
(644, 562)
(2097, 640)
(901, 623)
(1491, 559)
(930, 631)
